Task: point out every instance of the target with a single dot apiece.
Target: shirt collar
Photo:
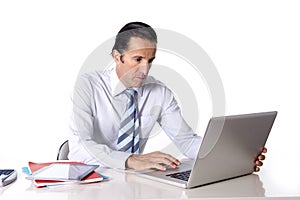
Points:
(118, 87)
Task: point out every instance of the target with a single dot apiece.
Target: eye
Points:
(139, 59)
(151, 60)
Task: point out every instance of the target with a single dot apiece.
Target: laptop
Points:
(228, 150)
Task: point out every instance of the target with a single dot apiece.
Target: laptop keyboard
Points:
(5, 172)
(181, 175)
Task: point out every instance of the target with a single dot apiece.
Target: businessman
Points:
(114, 110)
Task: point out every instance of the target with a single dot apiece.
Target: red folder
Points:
(91, 178)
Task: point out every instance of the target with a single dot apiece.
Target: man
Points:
(114, 110)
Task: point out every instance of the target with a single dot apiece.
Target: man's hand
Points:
(154, 160)
(260, 158)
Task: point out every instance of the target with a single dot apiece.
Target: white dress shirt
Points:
(99, 102)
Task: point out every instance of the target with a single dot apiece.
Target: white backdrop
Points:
(255, 46)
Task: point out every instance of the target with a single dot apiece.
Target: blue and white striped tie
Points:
(128, 140)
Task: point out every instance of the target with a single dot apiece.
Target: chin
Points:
(137, 85)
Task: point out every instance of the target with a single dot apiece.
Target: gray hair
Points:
(133, 29)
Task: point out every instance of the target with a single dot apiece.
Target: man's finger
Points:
(256, 169)
(261, 157)
(165, 158)
(163, 161)
(258, 163)
(264, 150)
(157, 166)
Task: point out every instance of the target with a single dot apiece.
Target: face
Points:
(136, 62)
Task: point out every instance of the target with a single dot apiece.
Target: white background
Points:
(255, 46)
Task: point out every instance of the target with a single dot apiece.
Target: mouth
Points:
(140, 77)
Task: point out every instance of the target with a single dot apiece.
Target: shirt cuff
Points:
(119, 159)
(192, 152)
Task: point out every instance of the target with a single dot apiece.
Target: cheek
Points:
(130, 68)
(125, 69)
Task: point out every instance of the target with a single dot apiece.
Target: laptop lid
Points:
(230, 146)
(229, 149)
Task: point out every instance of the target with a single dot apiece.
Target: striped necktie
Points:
(128, 140)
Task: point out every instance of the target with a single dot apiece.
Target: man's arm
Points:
(83, 146)
(178, 131)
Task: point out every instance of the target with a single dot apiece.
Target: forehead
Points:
(137, 44)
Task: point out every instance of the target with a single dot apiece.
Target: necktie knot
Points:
(131, 92)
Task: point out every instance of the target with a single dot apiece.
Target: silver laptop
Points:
(228, 150)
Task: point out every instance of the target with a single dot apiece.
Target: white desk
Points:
(124, 185)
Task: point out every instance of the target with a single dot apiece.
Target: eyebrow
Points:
(144, 57)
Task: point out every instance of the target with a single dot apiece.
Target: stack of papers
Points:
(33, 168)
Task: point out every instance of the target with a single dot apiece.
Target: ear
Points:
(116, 56)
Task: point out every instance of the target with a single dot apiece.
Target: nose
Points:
(144, 68)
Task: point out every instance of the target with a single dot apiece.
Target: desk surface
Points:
(126, 185)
